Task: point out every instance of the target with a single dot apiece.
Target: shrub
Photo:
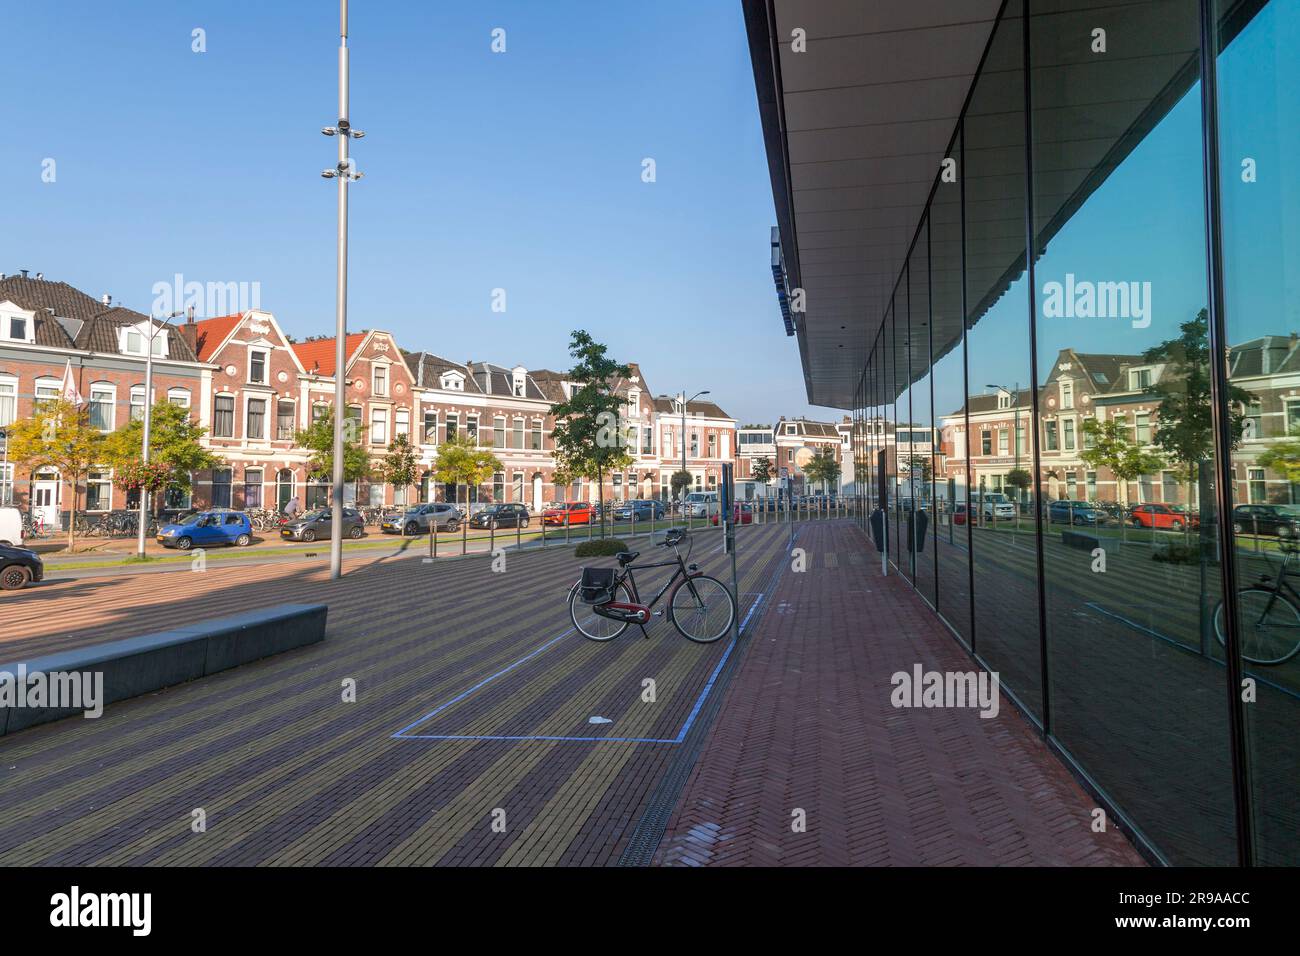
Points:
(599, 547)
(1175, 554)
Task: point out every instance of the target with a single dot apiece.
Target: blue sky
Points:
(519, 171)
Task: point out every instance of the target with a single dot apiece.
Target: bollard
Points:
(464, 532)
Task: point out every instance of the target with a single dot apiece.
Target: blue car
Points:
(205, 529)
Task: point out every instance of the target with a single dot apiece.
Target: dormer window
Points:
(452, 382)
(519, 381)
(17, 326)
(135, 337)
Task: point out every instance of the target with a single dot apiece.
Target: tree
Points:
(400, 466)
(1020, 479)
(1112, 448)
(1186, 426)
(589, 438)
(681, 480)
(175, 451)
(461, 461)
(822, 467)
(917, 466)
(762, 470)
(318, 438)
(1284, 456)
(58, 435)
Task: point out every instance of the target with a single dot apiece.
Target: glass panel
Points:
(952, 506)
(1137, 696)
(1259, 100)
(1004, 542)
(920, 458)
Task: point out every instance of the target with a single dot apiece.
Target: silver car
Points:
(416, 519)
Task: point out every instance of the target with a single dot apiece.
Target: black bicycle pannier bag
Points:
(597, 586)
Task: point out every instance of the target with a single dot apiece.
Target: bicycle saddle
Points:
(627, 557)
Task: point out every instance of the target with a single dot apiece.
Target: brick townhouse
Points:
(253, 406)
(1082, 386)
(254, 387)
(710, 437)
(43, 326)
(796, 441)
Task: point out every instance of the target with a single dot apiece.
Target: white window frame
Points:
(9, 392)
(234, 408)
(378, 370)
(379, 436)
(180, 396)
(111, 390)
(265, 353)
(248, 408)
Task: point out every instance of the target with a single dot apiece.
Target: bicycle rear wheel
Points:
(590, 624)
(1270, 626)
(702, 609)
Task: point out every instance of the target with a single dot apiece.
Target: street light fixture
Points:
(345, 172)
(684, 401)
(145, 496)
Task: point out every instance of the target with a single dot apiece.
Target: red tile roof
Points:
(210, 333)
(320, 352)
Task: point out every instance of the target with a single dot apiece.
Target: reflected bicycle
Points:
(1270, 618)
(605, 602)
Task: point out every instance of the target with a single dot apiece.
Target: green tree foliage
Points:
(590, 441)
(681, 480)
(400, 467)
(823, 467)
(762, 470)
(175, 450)
(461, 461)
(58, 435)
(1284, 456)
(318, 438)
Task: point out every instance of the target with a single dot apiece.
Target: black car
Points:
(1281, 520)
(500, 516)
(19, 567)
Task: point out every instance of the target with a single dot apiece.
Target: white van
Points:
(702, 504)
(11, 527)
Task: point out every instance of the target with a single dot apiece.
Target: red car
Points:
(744, 515)
(1172, 517)
(569, 512)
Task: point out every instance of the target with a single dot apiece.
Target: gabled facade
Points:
(253, 409)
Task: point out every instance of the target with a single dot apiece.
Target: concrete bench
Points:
(1077, 539)
(140, 665)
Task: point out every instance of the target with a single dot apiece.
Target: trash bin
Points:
(879, 528)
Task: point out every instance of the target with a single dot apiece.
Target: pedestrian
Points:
(291, 509)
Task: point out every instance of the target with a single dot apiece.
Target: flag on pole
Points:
(68, 390)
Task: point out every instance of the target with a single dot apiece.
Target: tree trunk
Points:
(600, 496)
(72, 518)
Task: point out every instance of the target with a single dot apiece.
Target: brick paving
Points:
(288, 774)
(807, 724)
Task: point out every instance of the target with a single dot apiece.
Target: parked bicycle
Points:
(35, 526)
(1270, 617)
(605, 601)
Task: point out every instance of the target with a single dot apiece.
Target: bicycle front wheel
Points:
(590, 624)
(1270, 626)
(702, 609)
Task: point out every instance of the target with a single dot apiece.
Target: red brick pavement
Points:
(807, 724)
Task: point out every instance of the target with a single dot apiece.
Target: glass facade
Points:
(1098, 327)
